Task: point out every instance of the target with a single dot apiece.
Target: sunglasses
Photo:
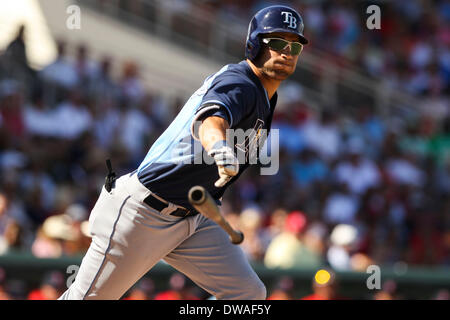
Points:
(278, 44)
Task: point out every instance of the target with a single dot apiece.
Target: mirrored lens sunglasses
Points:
(278, 44)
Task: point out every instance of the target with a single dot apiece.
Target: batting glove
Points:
(226, 162)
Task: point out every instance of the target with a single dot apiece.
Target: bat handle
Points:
(236, 237)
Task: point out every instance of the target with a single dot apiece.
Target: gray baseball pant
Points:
(129, 238)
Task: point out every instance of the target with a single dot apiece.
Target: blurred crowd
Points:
(352, 189)
(410, 51)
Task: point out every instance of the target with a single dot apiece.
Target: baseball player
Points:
(145, 216)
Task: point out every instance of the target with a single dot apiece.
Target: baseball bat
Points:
(204, 203)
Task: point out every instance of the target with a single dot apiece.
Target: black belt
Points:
(159, 205)
(150, 200)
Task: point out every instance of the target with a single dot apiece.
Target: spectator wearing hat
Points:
(343, 239)
(287, 249)
(64, 234)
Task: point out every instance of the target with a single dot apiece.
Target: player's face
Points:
(278, 64)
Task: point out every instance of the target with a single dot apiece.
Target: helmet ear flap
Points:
(253, 48)
(252, 45)
(248, 49)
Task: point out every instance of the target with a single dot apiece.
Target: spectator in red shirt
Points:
(178, 290)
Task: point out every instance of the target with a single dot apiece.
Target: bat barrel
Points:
(197, 195)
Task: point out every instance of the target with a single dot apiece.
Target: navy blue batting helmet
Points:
(272, 19)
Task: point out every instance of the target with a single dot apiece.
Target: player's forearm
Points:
(213, 134)
(211, 130)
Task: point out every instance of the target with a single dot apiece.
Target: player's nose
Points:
(287, 56)
(287, 50)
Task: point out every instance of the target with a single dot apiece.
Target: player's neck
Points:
(271, 85)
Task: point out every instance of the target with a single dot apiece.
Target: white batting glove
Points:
(226, 162)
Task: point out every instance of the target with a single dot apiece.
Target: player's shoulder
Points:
(236, 74)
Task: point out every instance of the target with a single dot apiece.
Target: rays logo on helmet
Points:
(289, 18)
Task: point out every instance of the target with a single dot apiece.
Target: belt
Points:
(150, 200)
(159, 205)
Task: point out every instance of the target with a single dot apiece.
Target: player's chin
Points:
(278, 72)
(281, 74)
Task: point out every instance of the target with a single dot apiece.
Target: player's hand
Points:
(226, 162)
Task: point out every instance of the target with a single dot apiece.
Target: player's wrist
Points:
(224, 157)
(219, 146)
